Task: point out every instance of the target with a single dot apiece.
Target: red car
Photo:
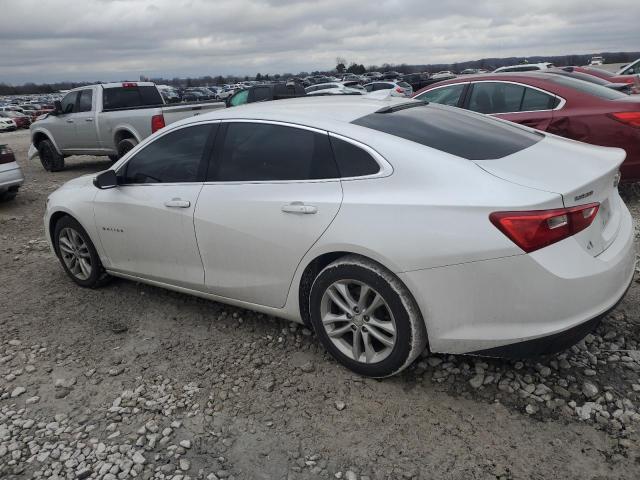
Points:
(22, 120)
(554, 103)
(631, 80)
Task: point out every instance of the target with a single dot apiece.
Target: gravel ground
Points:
(134, 381)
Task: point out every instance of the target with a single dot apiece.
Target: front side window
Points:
(444, 96)
(69, 102)
(172, 158)
(495, 97)
(383, 86)
(265, 152)
(261, 94)
(84, 104)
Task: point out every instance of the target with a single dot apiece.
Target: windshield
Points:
(467, 135)
(588, 88)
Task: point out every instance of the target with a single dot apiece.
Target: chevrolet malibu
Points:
(386, 225)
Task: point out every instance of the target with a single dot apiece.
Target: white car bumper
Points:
(10, 176)
(33, 152)
(523, 305)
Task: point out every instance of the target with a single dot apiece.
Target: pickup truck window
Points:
(69, 102)
(84, 103)
(129, 97)
(172, 158)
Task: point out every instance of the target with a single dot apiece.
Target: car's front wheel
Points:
(365, 317)
(51, 160)
(77, 254)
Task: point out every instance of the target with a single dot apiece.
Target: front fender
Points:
(40, 129)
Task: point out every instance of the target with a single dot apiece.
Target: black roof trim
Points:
(402, 106)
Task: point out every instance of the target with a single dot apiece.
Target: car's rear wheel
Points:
(9, 194)
(77, 254)
(125, 145)
(51, 160)
(365, 317)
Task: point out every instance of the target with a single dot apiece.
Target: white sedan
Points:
(387, 226)
(334, 88)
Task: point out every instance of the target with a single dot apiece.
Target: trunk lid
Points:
(580, 173)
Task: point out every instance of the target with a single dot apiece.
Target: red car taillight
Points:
(536, 229)
(399, 89)
(157, 122)
(6, 155)
(629, 118)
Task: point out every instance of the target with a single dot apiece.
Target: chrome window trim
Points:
(385, 168)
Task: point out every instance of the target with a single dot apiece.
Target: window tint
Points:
(262, 152)
(453, 131)
(444, 96)
(262, 93)
(128, 97)
(84, 104)
(537, 100)
(352, 161)
(69, 102)
(495, 97)
(588, 88)
(382, 86)
(174, 157)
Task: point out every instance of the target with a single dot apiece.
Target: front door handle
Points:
(88, 119)
(69, 120)
(299, 207)
(177, 203)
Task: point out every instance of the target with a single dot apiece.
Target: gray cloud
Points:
(117, 39)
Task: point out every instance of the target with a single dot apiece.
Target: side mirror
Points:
(106, 180)
(57, 107)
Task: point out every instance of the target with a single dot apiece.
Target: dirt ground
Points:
(134, 381)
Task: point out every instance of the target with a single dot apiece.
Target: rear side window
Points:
(129, 97)
(495, 97)
(382, 86)
(536, 100)
(261, 93)
(84, 104)
(264, 152)
(444, 95)
(352, 161)
(172, 158)
(453, 131)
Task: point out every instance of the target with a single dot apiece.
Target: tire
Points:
(114, 158)
(71, 243)
(396, 321)
(125, 145)
(9, 194)
(51, 160)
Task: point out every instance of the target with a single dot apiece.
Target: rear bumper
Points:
(10, 176)
(524, 304)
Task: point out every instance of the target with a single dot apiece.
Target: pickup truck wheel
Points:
(125, 145)
(51, 160)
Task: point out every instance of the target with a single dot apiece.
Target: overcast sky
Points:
(56, 40)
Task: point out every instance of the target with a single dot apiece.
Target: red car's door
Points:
(512, 101)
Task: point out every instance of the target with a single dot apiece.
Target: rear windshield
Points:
(129, 97)
(589, 88)
(453, 131)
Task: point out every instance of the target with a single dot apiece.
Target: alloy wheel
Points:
(75, 253)
(358, 321)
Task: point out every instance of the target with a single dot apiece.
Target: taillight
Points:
(6, 155)
(628, 118)
(157, 122)
(129, 85)
(537, 229)
(399, 89)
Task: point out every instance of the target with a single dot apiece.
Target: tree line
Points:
(342, 67)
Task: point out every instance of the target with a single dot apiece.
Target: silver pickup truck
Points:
(108, 119)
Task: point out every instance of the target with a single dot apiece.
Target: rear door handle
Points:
(299, 207)
(69, 121)
(177, 203)
(88, 119)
